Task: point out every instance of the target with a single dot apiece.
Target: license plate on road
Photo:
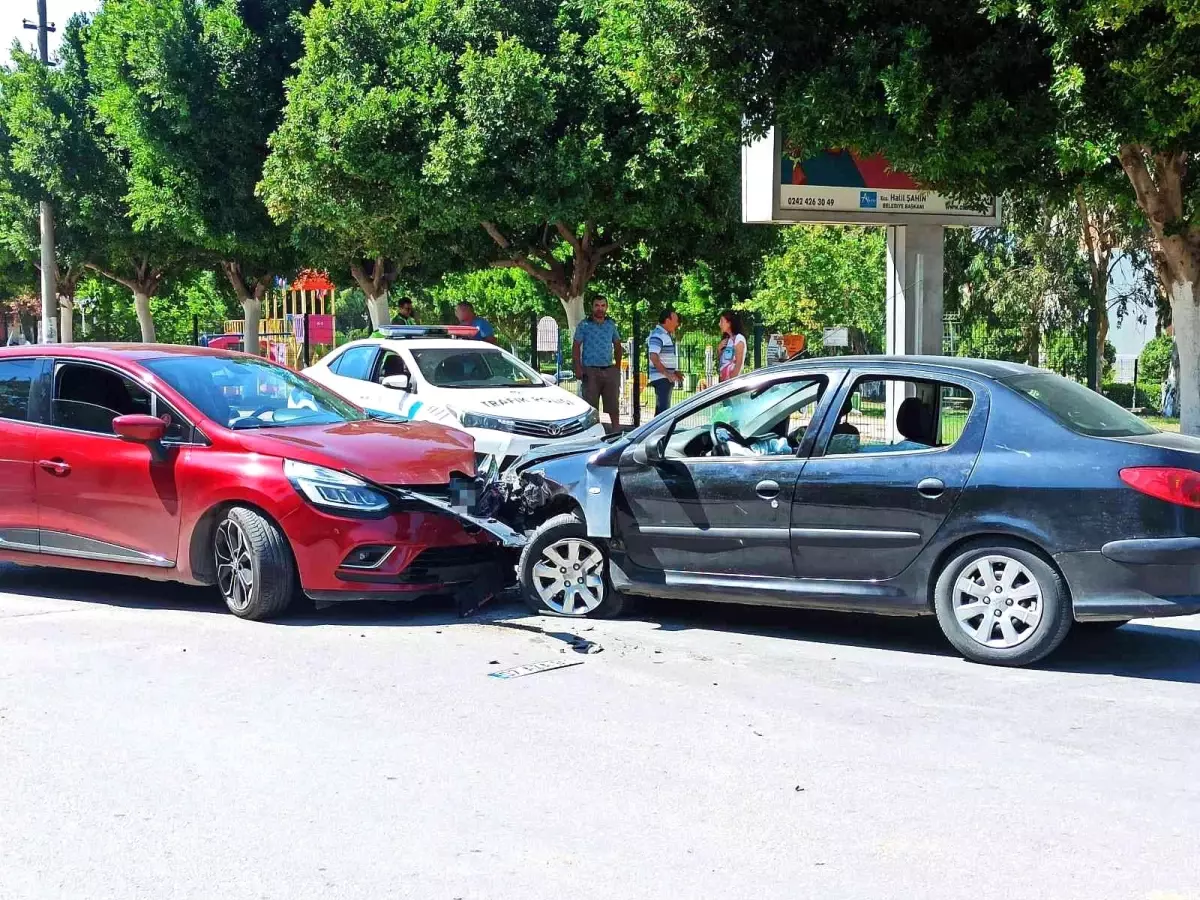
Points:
(534, 668)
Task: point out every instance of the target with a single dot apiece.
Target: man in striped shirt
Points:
(664, 360)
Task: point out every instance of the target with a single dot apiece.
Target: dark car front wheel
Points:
(1002, 604)
(564, 572)
(254, 565)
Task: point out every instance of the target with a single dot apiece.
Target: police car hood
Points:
(543, 404)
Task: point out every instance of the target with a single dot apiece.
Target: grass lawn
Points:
(1161, 423)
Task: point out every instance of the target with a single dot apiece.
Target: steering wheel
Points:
(720, 447)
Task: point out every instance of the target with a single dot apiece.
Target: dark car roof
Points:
(134, 352)
(988, 368)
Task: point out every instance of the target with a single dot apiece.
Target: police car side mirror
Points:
(396, 382)
(551, 380)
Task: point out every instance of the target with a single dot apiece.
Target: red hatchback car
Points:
(210, 467)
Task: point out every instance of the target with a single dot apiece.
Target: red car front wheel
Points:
(255, 573)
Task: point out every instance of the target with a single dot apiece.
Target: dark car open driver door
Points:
(723, 509)
(870, 502)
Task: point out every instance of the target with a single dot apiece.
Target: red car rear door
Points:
(100, 497)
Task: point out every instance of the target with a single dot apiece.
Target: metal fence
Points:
(697, 352)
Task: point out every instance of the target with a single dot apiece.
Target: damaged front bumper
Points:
(459, 506)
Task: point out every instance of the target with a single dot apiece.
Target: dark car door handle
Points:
(768, 490)
(55, 466)
(931, 487)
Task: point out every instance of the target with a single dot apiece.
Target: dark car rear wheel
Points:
(254, 565)
(1002, 604)
(564, 572)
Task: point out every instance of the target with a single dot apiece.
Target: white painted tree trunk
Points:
(573, 306)
(141, 303)
(252, 314)
(1185, 315)
(380, 314)
(66, 319)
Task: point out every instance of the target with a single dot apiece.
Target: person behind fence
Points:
(404, 312)
(664, 360)
(465, 313)
(731, 354)
(596, 352)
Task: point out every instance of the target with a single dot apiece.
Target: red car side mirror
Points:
(140, 429)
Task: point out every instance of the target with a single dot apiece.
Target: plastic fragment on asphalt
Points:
(534, 668)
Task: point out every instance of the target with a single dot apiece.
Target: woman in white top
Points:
(731, 354)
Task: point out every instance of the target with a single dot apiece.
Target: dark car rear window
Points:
(1080, 409)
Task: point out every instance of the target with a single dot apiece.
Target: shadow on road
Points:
(1139, 650)
(1151, 651)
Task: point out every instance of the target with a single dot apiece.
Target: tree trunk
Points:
(1186, 316)
(141, 303)
(566, 281)
(1101, 340)
(1035, 348)
(376, 286)
(251, 314)
(573, 306)
(377, 306)
(66, 318)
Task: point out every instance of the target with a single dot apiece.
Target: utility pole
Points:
(49, 333)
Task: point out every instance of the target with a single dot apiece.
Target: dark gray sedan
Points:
(1007, 501)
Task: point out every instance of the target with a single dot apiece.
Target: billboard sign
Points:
(784, 185)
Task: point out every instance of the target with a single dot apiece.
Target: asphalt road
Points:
(152, 746)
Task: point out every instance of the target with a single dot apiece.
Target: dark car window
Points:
(16, 382)
(1080, 409)
(927, 414)
(88, 398)
(773, 419)
(356, 362)
(245, 392)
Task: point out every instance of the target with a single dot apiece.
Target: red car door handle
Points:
(55, 466)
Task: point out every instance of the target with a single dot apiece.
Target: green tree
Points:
(505, 297)
(188, 91)
(1013, 286)
(974, 99)
(1155, 360)
(107, 314)
(824, 277)
(501, 133)
(59, 146)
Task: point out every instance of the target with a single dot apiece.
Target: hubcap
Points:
(569, 577)
(997, 602)
(235, 570)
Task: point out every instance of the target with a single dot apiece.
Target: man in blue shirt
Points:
(465, 313)
(597, 356)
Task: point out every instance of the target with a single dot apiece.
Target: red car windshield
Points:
(244, 393)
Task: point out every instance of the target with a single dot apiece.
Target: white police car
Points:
(437, 374)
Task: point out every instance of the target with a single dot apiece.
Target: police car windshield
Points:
(471, 367)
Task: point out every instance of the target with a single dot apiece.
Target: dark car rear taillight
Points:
(1179, 486)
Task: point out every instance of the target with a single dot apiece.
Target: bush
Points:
(1148, 395)
(1155, 359)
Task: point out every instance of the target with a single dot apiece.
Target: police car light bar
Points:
(396, 332)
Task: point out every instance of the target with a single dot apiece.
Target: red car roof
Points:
(136, 352)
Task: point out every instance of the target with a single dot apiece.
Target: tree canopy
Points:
(978, 99)
(501, 132)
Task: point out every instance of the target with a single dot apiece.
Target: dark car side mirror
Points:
(650, 451)
(148, 430)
